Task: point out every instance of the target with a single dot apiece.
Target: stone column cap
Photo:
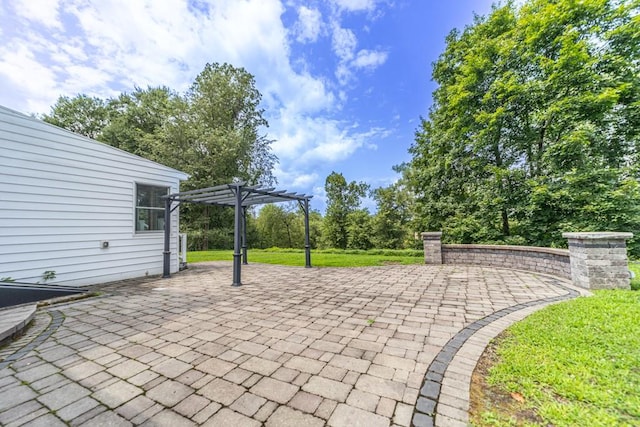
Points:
(431, 235)
(598, 235)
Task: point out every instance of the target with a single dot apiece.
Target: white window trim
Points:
(147, 233)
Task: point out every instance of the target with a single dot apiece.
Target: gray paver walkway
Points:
(292, 346)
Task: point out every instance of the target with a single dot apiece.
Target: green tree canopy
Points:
(224, 121)
(534, 129)
(280, 226)
(342, 199)
(359, 230)
(390, 226)
(81, 114)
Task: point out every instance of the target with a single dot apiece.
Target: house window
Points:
(150, 207)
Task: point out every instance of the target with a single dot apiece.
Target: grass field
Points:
(635, 282)
(319, 258)
(339, 258)
(575, 363)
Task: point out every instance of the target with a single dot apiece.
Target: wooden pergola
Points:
(240, 196)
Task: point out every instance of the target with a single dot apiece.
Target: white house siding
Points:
(61, 195)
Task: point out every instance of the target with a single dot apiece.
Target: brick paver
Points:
(287, 417)
(292, 346)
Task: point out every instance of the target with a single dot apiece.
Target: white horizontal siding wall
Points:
(61, 195)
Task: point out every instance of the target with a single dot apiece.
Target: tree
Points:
(536, 104)
(342, 199)
(359, 230)
(280, 226)
(315, 228)
(391, 221)
(224, 121)
(81, 114)
(138, 120)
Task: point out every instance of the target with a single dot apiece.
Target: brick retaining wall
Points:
(594, 260)
(530, 258)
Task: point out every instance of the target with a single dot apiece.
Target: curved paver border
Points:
(451, 369)
(56, 320)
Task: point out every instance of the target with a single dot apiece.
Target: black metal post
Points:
(166, 254)
(307, 245)
(236, 238)
(244, 235)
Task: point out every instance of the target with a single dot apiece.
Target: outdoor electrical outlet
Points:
(104, 244)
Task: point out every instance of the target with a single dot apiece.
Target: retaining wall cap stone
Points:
(506, 248)
(431, 234)
(595, 235)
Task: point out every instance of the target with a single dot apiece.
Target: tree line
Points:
(534, 130)
(345, 225)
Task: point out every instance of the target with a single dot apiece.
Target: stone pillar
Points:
(432, 247)
(599, 260)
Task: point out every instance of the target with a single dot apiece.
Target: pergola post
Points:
(244, 235)
(307, 245)
(237, 255)
(166, 254)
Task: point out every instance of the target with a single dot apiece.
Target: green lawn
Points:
(635, 282)
(573, 364)
(319, 258)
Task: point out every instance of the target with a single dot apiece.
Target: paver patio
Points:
(291, 347)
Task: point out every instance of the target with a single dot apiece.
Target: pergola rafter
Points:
(240, 196)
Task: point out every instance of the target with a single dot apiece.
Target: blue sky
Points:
(344, 82)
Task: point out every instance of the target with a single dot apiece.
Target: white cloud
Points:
(319, 195)
(305, 180)
(308, 146)
(343, 73)
(369, 59)
(35, 81)
(294, 181)
(355, 5)
(44, 12)
(309, 25)
(333, 150)
(343, 42)
(307, 140)
(365, 59)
